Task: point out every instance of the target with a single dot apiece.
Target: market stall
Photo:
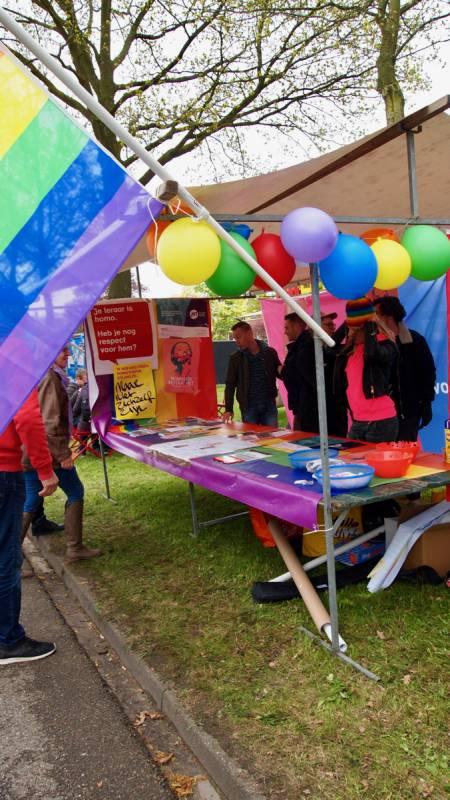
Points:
(190, 251)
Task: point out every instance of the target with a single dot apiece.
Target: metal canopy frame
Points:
(405, 127)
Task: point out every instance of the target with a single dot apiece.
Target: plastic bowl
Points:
(347, 476)
(316, 463)
(389, 463)
(400, 447)
(300, 458)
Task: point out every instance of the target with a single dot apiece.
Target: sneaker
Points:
(26, 650)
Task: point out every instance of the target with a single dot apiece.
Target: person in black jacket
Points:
(416, 373)
(363, 374)
(252, 373)
(299, 376)
(297, 335)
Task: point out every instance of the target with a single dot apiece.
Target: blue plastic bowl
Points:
(301, 458)
(347, 476)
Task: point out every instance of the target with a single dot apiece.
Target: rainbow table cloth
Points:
(70, 216)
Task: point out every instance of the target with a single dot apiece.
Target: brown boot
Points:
(73, 526)
(27, 519)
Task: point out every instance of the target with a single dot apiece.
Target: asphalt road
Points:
(63, 734)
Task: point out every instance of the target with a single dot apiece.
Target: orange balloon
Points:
(153, 234)
(371, 236)
(156, 228)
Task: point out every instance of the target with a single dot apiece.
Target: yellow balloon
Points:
(394, 264)
(188, 252)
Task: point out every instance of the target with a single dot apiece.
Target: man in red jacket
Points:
(27, 430)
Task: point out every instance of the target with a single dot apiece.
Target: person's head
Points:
(81, 377)
(181, 354)
(242, 334)
(389, 309)
(62, 359)
(358, 312)
(328, 323)
(361, 311)
(293, 326)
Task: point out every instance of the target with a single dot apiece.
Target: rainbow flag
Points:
(69, 217)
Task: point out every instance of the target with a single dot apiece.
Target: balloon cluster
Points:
(351, 266)
(189, 252)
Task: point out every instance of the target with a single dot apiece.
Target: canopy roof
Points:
(368, 178)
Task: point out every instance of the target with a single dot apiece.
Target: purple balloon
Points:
(309, 234)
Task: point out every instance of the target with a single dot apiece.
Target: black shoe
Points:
(26, 650)
(42, 525)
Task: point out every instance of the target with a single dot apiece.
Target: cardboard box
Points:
(432, 549)
(314, 543)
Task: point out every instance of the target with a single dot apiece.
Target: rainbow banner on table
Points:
(70, 216)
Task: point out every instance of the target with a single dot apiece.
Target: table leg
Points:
(195, 525)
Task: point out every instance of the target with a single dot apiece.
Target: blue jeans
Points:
(266, 414)
(69, 482)
(383, 430)
(12, 495)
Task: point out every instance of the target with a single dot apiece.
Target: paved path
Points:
(63, 735)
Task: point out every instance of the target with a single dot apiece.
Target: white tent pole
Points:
(123, 134)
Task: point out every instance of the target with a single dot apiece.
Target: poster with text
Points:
(134, 391)
(185, 379)
(181, 359)
(122, 330)
(183, 317)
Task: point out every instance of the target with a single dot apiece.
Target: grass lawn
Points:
(304, 724)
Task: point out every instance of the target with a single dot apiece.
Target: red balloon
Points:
(273, 257)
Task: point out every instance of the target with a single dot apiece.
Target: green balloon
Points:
(429, 250)
(233, 276)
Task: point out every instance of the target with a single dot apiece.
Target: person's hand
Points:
(49, 485)
(227, 416)
(426, 414)
(67, 463)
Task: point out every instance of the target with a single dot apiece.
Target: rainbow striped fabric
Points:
(70, 216)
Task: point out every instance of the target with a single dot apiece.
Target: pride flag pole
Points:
(123, 134)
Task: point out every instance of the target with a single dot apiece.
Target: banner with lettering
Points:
(134, 391)
(185, 354)
(178, 334)
(426, 312)
(122, 330)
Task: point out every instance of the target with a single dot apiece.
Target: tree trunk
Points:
(387, 83)
(120, 286)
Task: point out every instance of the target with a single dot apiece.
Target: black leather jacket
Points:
(379, 369)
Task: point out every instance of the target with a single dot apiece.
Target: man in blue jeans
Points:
(252, 373)
(27, 430)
